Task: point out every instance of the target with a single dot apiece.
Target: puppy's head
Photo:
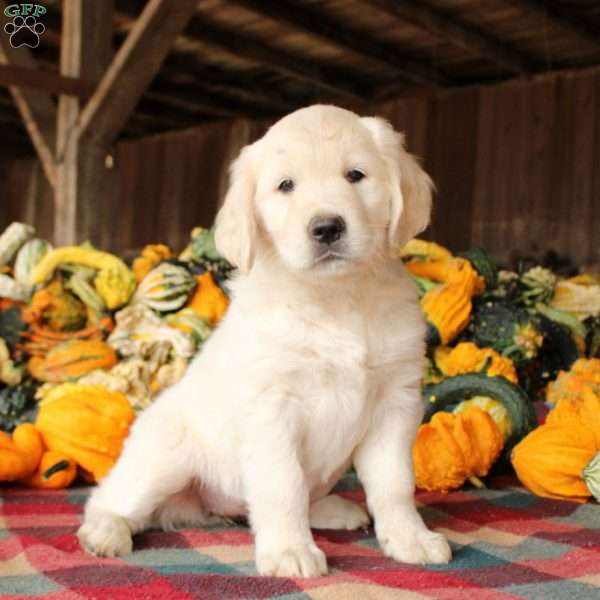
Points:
(324, 190)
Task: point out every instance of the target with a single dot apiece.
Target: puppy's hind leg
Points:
(152, 467)
(335, 512)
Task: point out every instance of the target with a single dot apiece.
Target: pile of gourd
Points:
(499, 341)
(86, 342)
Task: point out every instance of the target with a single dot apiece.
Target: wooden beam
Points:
(133, 68)
(460, 34)
(316, 76)
(83, 180)
(351, 38)
(37, 108)
(564, 17)
(48, 81)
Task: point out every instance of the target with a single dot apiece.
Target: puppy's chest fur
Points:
(344, 353)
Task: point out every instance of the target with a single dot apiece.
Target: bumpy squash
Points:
(450, 392)
(21, 454)
(484, 264)
(71, 360)
(569, 385)
(166, 288)
(452, 448)
(550, 461)
(447, 307)
(152, 254)
(114, 282)
(209, 302)
(466, 357)
(87, 423)
(55, 471)
(582, 408)
(56, 308)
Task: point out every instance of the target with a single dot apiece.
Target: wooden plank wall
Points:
(517, 168)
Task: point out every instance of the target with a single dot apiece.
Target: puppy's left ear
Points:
(411, 187)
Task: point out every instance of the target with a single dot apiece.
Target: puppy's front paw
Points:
(299, 561)
(415, 545)
(105, 535)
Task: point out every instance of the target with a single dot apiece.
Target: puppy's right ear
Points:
(235, 233)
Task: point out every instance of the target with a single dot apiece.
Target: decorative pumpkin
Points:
(492, 407)
(579, 298)
(537, 285)
(71, 360)
(466, 357)
(13, 237)
(450, 392)
(21, 454)
(453, 448)
(88, 423)
(152, 254)
(447, 307)
(55, 471)
(209, 301)
(56, 308)
(559, 461)
(508, 329)
(580, 409)
(189, 322)
(585, 373)
(114, 282)
(139, 328)
(166, 288)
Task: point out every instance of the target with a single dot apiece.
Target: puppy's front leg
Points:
(278, 502)
(384, 465)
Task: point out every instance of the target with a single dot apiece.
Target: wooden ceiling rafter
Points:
(465, 35)
(350, 38)
(563, 17)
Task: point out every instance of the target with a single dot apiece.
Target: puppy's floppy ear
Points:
(235, 234)
(411, 186)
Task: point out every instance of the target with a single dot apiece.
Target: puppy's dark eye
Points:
(286, 185)
(355, 175)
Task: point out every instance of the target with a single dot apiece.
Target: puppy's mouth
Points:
(329, 257)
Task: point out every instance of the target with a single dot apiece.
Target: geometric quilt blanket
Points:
(506, 542)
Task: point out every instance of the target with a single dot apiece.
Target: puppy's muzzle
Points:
(326, 230)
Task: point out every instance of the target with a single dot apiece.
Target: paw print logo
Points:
(24, 31)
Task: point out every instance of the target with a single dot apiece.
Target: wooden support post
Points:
(37, 108)
(82, 177)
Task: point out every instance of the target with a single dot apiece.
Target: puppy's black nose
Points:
(327, 230)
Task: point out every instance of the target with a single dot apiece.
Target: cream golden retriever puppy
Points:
(316, 366)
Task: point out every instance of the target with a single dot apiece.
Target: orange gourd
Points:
(452, 448)
(55, 471)
(21, 454)
(88, 423)
(209, 301)
(71, 360)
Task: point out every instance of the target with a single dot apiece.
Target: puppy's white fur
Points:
(316, 366)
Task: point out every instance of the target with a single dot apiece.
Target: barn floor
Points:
(507, 544)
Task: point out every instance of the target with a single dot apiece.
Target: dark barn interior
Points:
(501, 99)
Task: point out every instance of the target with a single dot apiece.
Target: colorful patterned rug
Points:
(507, 544)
